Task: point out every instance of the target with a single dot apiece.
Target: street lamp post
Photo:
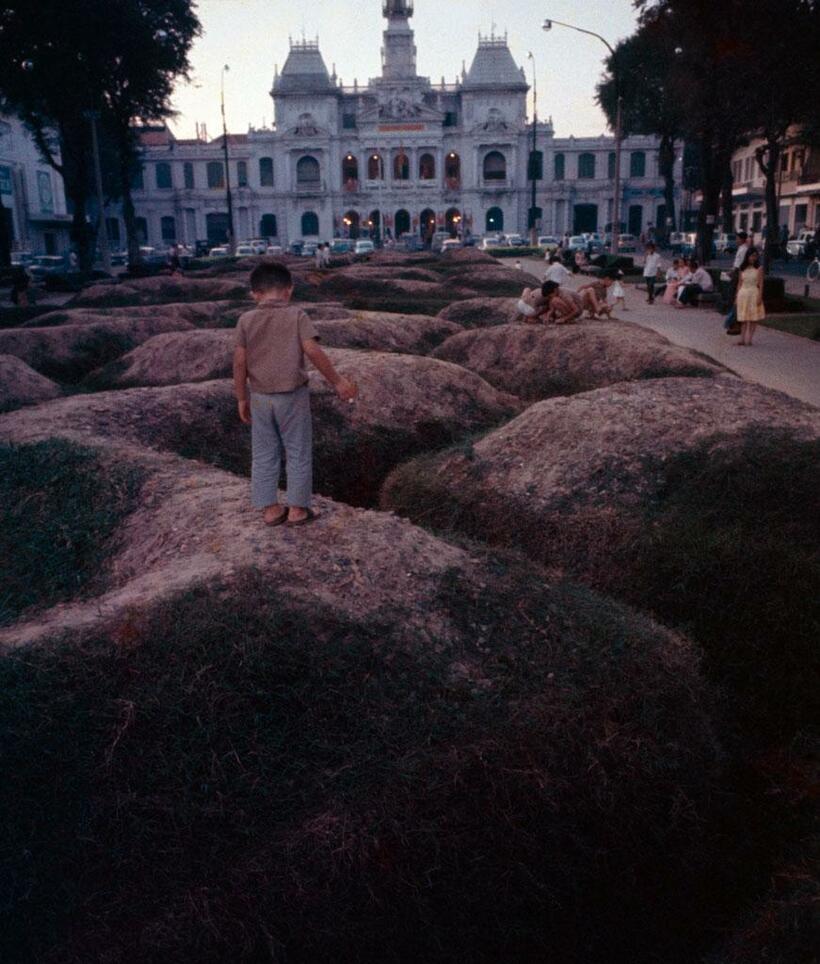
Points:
(619, 120)
(533, 225)
(228, 196)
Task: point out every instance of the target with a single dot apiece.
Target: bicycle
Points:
(813, 272)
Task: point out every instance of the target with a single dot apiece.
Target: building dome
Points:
(304, 70)
(493, 66)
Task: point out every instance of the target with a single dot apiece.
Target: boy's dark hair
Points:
(268, 275)
(548, 287)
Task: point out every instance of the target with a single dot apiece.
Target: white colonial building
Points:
(401, 153)
(31, 192)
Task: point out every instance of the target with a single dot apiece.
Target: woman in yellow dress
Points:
(749, 298)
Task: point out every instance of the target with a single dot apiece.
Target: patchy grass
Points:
(230, 778)
(728, 551)
(806, 326)
(61, 505)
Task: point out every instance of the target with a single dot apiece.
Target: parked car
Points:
(46, 264)
(451, 244)
(309, 248)
(470, 241)
(725, 244)
(627, 242)
(410, 242)
(341, 246)
(259, 245)
(119, 258)
(577, 243)
(799, 246)
(549, 242)
(492, 241)
(220, 251)
(438, 240)
(21, 259)
(274, 249)
(364, 248)
(515, 240)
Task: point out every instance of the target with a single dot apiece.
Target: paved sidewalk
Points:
(778, 360)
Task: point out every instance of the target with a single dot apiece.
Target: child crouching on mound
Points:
(272, 341)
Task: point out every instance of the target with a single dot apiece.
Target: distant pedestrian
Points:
(19, 287)
(731, 323)
(651, 267)
(174, 262)
(617, 293)
(319, 256)
(749, 301)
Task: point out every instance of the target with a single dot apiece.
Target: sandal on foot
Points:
(279, 520)
(311, 515)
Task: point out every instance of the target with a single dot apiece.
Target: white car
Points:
(627, 242)
(221, 251)
(274, 249)
(548, 242)
(259, 245)
(364, 247)
(245, 251)
(796, 248)
(451, 244)
(515, 240)
(492, 241)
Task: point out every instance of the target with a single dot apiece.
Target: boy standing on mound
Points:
(271, 343)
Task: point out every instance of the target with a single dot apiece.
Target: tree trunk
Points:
(770, 168)
(727, 203)
(128, 214)
(714, 160)
(5, 237)
(82, 233)
(76, 155)
(666, 167)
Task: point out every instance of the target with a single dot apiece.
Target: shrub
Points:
(236, 778)
(61, 505)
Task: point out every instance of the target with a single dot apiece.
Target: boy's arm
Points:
(240, 383)
(345, 389)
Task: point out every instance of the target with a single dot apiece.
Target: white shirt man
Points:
(558, 273)
(651, 267)
(742, 248)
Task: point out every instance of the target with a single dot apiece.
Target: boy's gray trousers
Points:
(281, 426)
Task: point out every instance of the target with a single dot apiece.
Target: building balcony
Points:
(496, 186)
(309, 188)
(351, 185)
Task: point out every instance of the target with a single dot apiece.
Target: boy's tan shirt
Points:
(272, 336)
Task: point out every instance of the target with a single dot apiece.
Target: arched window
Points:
(375, 168)
(241, 173)
(352, 223)
(402, 225)
(168, 227)
(266, 172)
(164, 176)
(586, 166)
(427, 223)
(495, 167)
(495, 220)
(401, 167)
(427, 167)
(637, 164)
(188, 174)
(535, 166)
(452, 221)
(310, 224)
(610, 169)
(559, 167)
(216, 174)
(452, 169)
(350, 171)
(307, 171)
(374, 224)
(267, 226)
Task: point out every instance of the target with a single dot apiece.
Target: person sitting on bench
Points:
(693, 285)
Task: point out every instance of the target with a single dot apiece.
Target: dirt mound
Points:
(69, 352)
(170, 359)
(437, 714)
(20, 385)
(384, 331)
(469, 256)
(201, 314)
(681, 495)
(327, 311)
(353, 282)
(160, 290)
(499, 282)
(407, 405)
(538, 361)
(482, 312)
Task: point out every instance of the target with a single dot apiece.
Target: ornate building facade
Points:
(402, 155)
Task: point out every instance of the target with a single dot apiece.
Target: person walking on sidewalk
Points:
(749, 299)
(651, 267)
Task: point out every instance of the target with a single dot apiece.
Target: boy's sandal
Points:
(311, 515)
(279, 520)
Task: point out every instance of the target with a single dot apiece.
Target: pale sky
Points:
(251, 36)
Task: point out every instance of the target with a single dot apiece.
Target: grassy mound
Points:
(727, 548)
(61, 505)
(229, 778)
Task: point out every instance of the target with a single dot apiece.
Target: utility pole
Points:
(228, 197)
(619, 130)
(102, 230)
(532, 219)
